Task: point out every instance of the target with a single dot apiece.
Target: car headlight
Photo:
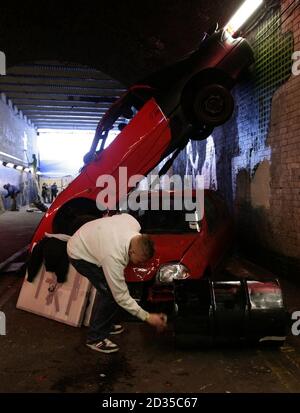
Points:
(170, 272)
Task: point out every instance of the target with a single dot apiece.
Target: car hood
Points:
(169, 248)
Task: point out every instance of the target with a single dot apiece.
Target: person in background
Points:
(54, 191)
(45, 193)
(34, 163)
(12, 192)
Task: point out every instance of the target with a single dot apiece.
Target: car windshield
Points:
(120, 114)
(165, 221)
(158, 222)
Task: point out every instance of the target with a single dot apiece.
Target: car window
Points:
(117, 118)
(156, 222)
(123, 110)
(165, 221)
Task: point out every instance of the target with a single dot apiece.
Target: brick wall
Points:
(254, 159)
(18, 141)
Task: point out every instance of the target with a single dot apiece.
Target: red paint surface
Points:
(138, 147)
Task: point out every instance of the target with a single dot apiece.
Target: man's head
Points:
(6, 186)
(141, 249)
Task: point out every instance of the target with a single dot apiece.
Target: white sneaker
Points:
(104, 346)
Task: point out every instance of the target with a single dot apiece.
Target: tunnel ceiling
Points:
(60, 96)
(66, 63)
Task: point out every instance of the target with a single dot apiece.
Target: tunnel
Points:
(182, 120)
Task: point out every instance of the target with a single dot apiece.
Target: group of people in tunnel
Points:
(48, 194)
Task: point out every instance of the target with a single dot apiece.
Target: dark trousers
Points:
(53, 196)
(105, 308)
(13, 203)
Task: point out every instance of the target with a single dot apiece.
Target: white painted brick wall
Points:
(18, 139)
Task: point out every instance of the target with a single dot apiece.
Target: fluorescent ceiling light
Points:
(246, 10)
(19, 167)
(10, 165)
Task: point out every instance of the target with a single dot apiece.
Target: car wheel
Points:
(206, 99)
(213, 105)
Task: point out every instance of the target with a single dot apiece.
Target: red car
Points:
(185, 101)
(184, 249)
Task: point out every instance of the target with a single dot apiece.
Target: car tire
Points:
(213, 105)
(207, 101)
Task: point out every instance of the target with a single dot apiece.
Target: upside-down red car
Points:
(185, 101)
(156, 119)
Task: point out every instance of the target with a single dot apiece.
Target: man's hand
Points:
(157, 320)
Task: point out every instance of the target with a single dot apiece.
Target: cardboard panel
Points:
(65, 302)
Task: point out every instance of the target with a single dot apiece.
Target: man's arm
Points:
(114, 274)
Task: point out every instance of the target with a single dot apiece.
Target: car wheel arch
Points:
(74, 213)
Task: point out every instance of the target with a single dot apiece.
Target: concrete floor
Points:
(16, 229)
(41, 355)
